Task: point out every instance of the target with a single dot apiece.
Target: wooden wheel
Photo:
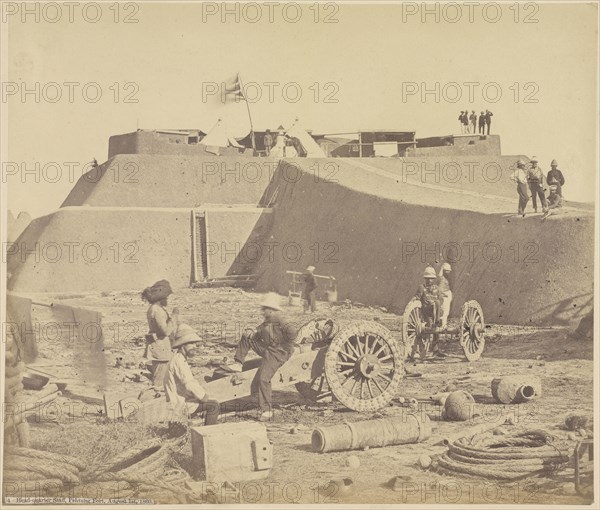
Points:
(412, 331)
(364, 366)
(472, 330)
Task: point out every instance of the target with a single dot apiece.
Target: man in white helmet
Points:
(555, 177)
(310, 290)
(555, 201)
(429, 296)
(520, 177)
(274, 342)
(535, 177)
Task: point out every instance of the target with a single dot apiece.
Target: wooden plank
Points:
(85, 395)
(206, 240)
(194, 248)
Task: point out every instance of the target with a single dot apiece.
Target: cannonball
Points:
(353, 462)
(424, 461)
(459, 406)
(571, 436)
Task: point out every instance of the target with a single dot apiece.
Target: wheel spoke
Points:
(381, 349)
(348, 354)
(472, 312)
(349, 378)
(346, 363)
(369, 387)
(384, 377)
(342, 372)
(359, 345)
(353, 386)
(376, 343)
(349, 344)
(378, 386)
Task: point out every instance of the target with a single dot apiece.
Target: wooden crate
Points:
(233, 452)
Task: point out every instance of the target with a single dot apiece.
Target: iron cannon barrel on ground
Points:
(372, 433)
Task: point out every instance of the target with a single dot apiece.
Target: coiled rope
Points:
(510, 457)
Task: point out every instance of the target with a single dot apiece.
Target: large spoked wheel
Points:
(412, 331)
(364, 366)
(472, 330)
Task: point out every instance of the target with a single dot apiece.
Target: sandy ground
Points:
(564, 365)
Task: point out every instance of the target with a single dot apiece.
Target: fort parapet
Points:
(372, 223)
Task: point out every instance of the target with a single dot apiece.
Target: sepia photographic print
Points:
(299, 254)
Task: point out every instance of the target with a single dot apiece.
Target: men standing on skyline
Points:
(460, 120)
(555, 177)
(520, 177)
(488, 120)
(535, 177)
(482, 123)
(473, 124)
(268, 142)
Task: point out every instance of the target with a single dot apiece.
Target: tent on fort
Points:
(312, 148)
(219, 136)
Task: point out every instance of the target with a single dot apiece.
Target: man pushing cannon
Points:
(273, 341)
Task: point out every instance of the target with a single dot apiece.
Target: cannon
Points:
(361, 364)
(469, 331)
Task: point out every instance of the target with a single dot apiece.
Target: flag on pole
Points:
(231, 90)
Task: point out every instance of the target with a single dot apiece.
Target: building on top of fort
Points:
(359, 144)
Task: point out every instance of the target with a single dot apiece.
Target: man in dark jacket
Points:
(464, 121)
(428, 294)
(473, 122)
(482, 123)
(274, 342)
(555, 177)
(488, 120)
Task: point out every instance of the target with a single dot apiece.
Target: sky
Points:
(366, 71)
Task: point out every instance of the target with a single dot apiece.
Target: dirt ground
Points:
(300, 475)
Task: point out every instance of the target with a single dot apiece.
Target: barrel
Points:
(372, 433)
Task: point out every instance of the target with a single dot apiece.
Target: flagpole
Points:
(249, 115)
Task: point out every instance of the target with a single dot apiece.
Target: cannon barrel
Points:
(372, 433)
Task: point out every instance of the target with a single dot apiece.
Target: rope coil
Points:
(516, 456)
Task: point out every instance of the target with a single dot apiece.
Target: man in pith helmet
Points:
(555, 176)
(183, 391)
(520, 177)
